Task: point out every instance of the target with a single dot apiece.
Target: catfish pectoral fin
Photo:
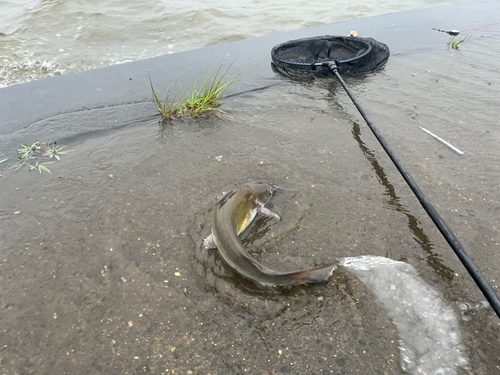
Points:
(316, 275)
(267, 212)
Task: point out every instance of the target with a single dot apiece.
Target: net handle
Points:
(447, 233)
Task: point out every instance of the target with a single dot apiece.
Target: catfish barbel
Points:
(233, 213)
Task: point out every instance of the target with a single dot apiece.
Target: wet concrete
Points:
(102, 269)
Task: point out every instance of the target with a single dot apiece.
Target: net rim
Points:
(300, 65)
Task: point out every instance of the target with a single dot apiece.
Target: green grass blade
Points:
(43, 167)
(155, 97)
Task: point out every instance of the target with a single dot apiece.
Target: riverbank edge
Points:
(27, 106)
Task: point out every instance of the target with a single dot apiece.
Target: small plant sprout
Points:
(455, 41)
(205, 98)
(38, 155)
(55, 151)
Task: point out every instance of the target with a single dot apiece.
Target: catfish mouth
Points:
(272, 189)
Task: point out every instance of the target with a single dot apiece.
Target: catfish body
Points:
(232, 215)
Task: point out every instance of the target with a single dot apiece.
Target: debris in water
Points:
(428, 327)
(442, 140)
(449, 32)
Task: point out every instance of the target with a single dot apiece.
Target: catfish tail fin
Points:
(315, 275)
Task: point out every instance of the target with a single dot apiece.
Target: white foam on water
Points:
(430, 340)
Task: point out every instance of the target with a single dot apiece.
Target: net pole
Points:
(449, 236)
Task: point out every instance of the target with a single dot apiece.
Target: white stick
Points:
(442, 140)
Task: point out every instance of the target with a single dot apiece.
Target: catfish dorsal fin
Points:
(226, 197)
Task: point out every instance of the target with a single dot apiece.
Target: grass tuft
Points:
(38, 155)
(202, 99)
(455, 41)
(170, 108)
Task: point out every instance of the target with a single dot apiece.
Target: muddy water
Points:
(102, 268)
(44, 38)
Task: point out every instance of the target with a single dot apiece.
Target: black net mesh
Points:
(353, 55)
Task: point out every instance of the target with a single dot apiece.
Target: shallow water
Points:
(43, 38)
(102, 268)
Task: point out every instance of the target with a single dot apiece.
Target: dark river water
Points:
(101, 264)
